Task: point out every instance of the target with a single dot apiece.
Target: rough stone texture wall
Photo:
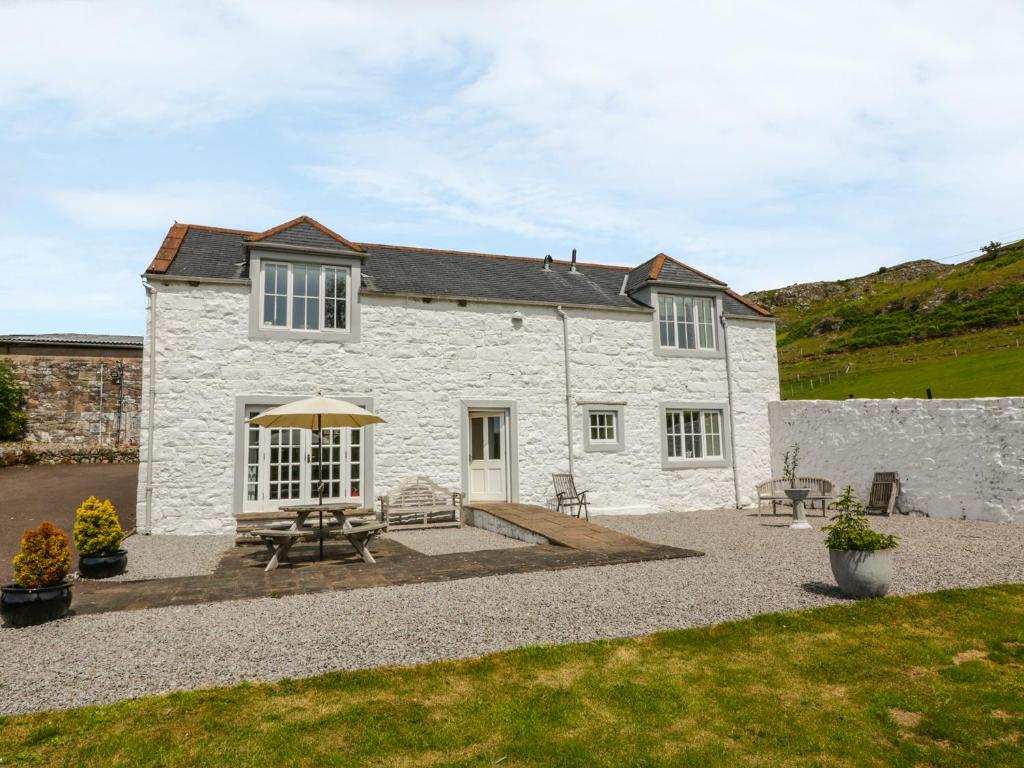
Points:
(64, 404)
(955, 458)
(418, 361)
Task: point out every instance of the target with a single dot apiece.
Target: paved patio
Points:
(240, 575)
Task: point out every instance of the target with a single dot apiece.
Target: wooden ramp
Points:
(561, 529)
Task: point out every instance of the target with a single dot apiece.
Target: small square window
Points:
(602, 427)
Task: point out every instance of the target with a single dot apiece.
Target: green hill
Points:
(954, 328)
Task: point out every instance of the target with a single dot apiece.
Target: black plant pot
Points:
(103, 566)
(24, 607)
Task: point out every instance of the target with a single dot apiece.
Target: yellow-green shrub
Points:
(97, 530)
(45, 558)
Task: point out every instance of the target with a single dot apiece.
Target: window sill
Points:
(335, 337)
(661, 351)
(695, 464)
(609, 447)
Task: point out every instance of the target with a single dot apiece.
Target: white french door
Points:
(488, 456)
(282, 466)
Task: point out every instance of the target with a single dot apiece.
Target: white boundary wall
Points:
(955, 458)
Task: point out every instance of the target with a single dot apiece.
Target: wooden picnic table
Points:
(279, 541)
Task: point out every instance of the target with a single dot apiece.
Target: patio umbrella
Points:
(316, 413)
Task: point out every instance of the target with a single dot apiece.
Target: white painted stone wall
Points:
(418, 361)
(955, 458)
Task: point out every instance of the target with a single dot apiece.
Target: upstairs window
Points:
(307, 297)
(695, 434)
(687, 322)
(335, 297)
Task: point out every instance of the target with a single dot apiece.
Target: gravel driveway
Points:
(751, 567)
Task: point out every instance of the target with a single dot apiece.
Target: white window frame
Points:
(618, 441)
(678, 410)
(676, 300)
(350, 266)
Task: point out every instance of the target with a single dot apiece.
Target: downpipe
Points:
(568, 384)
(732, 420)
(151, 407)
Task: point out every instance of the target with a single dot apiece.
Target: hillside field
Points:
(956, 329)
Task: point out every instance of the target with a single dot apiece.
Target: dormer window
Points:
(305, 297)
(687, 322)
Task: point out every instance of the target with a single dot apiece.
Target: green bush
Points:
(44, 559)
(850, 529)
(12, 402)
(97, 530)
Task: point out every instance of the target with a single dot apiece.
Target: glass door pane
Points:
(284, 464)
(333, 463)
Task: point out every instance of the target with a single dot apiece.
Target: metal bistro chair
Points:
(570, 501)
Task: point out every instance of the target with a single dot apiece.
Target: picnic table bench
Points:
(360, 534)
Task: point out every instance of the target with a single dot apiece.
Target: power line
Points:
(944, 259)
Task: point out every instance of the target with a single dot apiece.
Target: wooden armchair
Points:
(568, 499)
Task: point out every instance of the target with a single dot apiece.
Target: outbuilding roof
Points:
(73, 339)
(197, 251)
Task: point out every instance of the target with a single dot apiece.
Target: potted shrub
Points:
(98, 537)
(860, 556)
(39, 592)
(790, 464)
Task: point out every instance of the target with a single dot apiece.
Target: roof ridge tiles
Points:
(533, 259)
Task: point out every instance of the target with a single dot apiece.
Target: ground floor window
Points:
(693, 434)
(603, 426)
(283, 465)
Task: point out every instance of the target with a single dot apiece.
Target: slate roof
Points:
(191, 250)
(72, 339)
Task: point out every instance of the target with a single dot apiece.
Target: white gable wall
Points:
(418, 361)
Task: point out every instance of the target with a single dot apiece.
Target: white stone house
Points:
(658, 399)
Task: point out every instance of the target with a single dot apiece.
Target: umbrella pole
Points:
(320, 485)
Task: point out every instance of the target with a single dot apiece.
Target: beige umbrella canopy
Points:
(316, 413)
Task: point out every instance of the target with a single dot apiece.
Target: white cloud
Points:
(780, 141)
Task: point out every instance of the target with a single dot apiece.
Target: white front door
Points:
(488, 456)
(282, 466)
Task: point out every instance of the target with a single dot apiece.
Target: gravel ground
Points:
(164, 557)
(751, 567)
(448, 541)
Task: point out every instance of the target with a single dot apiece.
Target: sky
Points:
(764, 143)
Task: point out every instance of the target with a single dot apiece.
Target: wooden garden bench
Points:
(774, 492)
(419, 502)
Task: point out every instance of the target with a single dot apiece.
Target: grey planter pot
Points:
(862, 574)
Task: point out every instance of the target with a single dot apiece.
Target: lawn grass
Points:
(932, 680)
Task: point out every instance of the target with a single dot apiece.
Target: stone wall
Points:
(418, 361)
(66, 404)
(955, 458)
